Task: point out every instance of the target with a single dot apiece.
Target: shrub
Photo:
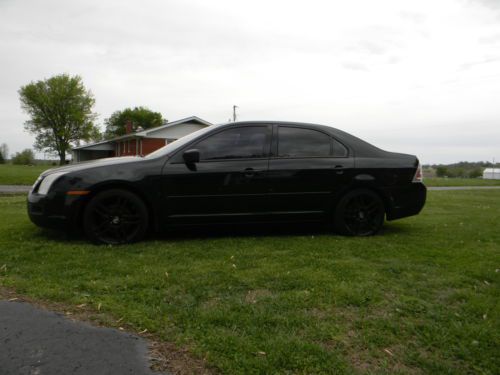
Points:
(25, 157)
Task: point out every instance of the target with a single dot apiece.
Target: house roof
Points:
(144, 133)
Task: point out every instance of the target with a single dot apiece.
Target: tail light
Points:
(419, 177)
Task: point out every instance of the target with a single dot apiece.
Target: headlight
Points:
(40, 178)
(48, 181)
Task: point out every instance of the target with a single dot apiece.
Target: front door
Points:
(228, 184)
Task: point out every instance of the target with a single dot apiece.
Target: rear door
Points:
(306, 167)
(228, 184)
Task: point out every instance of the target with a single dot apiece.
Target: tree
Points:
(441, 171)
(4, 153)
(138, 116)
(61, 113)
(476, 172)
(25, 157)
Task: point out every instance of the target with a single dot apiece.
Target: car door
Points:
(228, 184)
(307, 166)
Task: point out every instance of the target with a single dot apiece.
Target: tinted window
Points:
(297, 142)
(244, 142)
(339, 149)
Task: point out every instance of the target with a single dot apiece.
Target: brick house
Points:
(139, 143)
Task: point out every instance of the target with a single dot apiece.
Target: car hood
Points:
(93, 164)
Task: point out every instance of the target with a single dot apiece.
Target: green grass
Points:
(440, 181)
(422, 298)
(20, 174)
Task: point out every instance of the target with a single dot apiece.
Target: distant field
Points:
(440, 181)
(20, 174)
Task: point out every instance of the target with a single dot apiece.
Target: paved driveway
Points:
(14, 189)
(38, 342)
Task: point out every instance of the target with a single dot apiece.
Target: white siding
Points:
(176, 131)
(491, 174)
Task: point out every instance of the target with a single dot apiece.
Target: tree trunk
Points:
(62, 157)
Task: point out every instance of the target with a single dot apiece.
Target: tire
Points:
(360, 212)
(115, 217)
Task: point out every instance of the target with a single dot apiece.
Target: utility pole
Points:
(234, 113)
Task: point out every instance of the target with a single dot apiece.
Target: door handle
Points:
(250, 172)
(339, 169)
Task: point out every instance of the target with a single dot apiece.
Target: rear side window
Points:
(299, 142)
(339, 150)
(238, 143)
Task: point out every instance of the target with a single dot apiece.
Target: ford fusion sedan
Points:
(244, 172)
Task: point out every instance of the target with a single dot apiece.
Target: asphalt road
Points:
(39, 342)
(14, 189)
(462, 187)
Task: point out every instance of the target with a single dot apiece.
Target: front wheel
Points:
(115, 217)
(359, 213)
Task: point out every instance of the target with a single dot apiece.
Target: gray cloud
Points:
(414, 17)
(472, 64)
(491, 4)
(355, 66)
(490, 39)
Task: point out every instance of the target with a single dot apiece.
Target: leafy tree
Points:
(61, 113)
(475, 173)
(441, 171)
(458, 172)
(25, 157)
(4, 153)
(138, 116)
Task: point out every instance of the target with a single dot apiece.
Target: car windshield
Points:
(174, 146)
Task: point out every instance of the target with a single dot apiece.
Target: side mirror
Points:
(191, 156)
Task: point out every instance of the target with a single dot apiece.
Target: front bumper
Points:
(54, 210)
(407, 200)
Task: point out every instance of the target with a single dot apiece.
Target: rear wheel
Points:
(115, 217)
(359, 213)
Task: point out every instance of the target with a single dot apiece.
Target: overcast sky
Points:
(420, 77)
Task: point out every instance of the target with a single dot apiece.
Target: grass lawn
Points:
(440, 181)
(423, 298)
(20, 174)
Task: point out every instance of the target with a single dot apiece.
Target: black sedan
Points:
(245, 172)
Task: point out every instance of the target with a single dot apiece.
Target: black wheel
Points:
(115, 217)
(359, 213)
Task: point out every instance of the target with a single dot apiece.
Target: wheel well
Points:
(385, 199)
(122, 186)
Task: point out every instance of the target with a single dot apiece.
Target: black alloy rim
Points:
(362, 215)
(115, 220)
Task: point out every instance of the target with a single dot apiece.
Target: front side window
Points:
(299, 142)
(238, 143)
